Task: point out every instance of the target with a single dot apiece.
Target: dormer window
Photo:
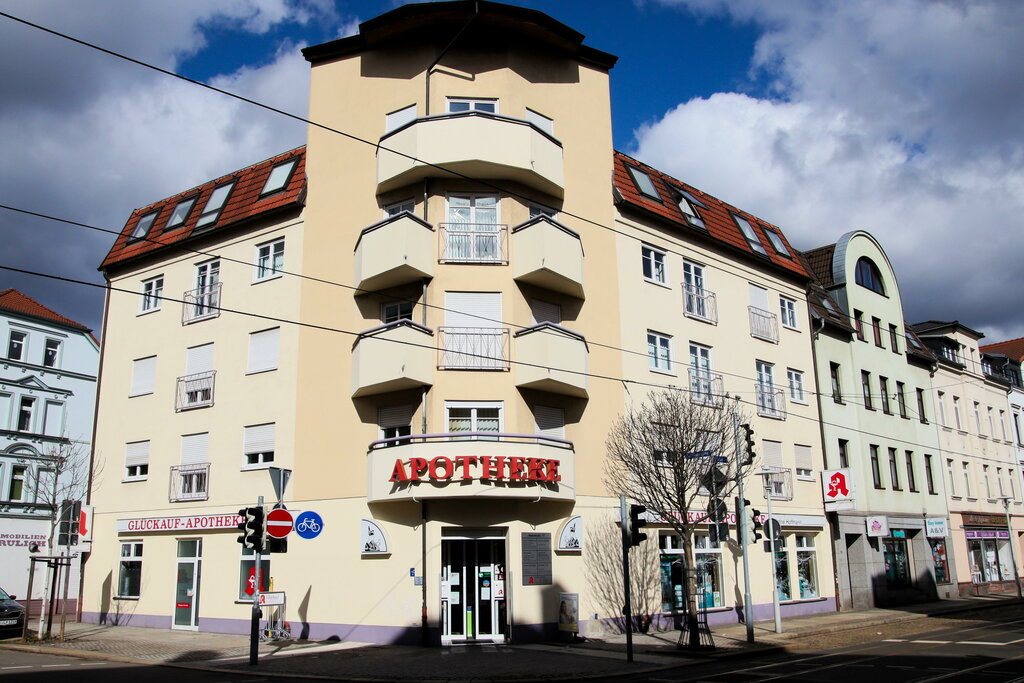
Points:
(143, 226)
(777, 244)
(180, 214)
(279, 177)
(748, 232)
(688, 205)
(644, 183)
(214, 205)
(867, 275)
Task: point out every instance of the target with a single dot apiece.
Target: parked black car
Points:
(12, 615)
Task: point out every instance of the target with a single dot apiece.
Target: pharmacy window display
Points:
(709, 573)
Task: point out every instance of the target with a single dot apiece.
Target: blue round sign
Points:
(308, 524)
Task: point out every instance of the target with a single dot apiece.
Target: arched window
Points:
(868, 275)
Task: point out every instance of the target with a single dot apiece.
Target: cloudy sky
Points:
(902, 118)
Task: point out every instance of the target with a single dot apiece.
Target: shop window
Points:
(782, 583)
(807, 566)
(940, 561)
(247, 574)
(129, 577)
(897, 564)
(989, 557)
(710, 587)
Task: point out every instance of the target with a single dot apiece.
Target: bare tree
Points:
(604, 574)
(63, 476)
(665, 453)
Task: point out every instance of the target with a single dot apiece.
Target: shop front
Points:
(989, 555)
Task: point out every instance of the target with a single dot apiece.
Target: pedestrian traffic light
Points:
(636, 523)
(253, 529)
(749, 436)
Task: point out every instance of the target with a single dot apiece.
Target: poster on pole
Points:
(569, 612)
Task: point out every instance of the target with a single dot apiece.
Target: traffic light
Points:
(67, 535)
(252, 529)
(749, 436)
(747, 517)
(635, 523)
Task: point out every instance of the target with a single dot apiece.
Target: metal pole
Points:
(627, 607)
(771, 545)
(254, 626)
(28, 601)
(1013, 554)
(741, 526)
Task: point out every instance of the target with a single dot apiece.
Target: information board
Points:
(536, 559)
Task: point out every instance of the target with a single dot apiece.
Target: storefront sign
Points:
(877, 526)
(372, 538)
(811, 521)
(979, 519)
(936, 527)
(190, 523)
(986, 533)
(697, 517)
(276, 598)
(836, 485)
(469, 467)
(536, 559)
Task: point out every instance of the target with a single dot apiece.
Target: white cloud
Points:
(899, 118)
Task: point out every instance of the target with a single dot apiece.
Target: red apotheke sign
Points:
(468, 467)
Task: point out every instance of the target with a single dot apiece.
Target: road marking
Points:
(978, 642)
(93, 663)
(5, 668)
(933, 642)
(52, 666)
(895, 640)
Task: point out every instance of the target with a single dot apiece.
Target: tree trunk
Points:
(691, 593)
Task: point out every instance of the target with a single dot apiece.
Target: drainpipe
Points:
(476, 13)
(424, 637)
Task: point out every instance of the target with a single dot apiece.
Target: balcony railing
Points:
(200, 304)
(473, 243)
(707, 388)
(195, 391)
(473, 348)
(395, 251)
(552, 358)
(771, 402)
(778, 483)
(392, 357)
(700, 304)
(538, 439)
(763, 324)
(189, 482)
(548, 255)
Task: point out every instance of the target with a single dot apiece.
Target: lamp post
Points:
(1009, 531)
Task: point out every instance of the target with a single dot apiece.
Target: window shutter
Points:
(194, 448)
(53, 423)
(803, 458)
(199, 359)
(136, 453)
(758, 297)
(260, 438)
(550, 421)
(5, 411)
(772, 453)
(472, 309)
(263, 350)
(546, 312)
(395, 416)
(143, 375)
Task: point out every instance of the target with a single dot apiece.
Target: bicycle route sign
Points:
(308, 524)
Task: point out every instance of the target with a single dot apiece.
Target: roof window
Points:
(777, 244)
(644, 183)
(218, 198)
(279, 177)
(143, 226)
(181, 212)
(748, 232)
(688, 204)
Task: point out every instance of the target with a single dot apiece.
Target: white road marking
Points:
(5, 668)
(933, 642)
(978, 642)
(895, 640)
(52, 666)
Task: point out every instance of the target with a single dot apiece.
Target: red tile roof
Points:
(715, 213)
(819, 262)
(13, 301)
(243, 203)
(1013, 348)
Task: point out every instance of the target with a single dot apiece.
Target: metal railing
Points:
(700, 303)
(473, 243)
(763, 324)
(771, 402)
(195, 391)
(473, 348)
(503, 437)
(189, 482)
(707, 388)
(778, 483)
(200, 304)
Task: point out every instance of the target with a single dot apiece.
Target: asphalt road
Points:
(46, 668)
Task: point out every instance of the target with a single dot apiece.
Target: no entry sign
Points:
(279, 523)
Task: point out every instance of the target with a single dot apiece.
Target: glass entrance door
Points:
(473, 590)
(186, 589)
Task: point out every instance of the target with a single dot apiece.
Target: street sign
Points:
(279, 478)
(279, 523)
(308, 524)
(276, 598)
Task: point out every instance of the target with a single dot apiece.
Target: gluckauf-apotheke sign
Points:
(143, 525)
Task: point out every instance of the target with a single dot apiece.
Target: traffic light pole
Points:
(741, 516)
(627, 608)
(771, 545)
(254, 626)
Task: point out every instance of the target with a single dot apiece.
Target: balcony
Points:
(548, 255)
(392, 357)
(763, 325)
(189, 482)
(700, 304)
(481, 243)
(474, 144)
(200, 304)
(394, 252)
(707, 388)
(195, 391)
(771, 402)
(471, 465)
(472, 348)
(551, 358)
(778, 483)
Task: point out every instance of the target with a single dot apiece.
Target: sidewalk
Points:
(592, 658)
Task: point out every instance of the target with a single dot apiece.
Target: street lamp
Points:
(1009, 530)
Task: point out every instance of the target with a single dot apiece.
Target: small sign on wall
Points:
(936, 527)
(571, 537)
(536, 559)
(878, 526)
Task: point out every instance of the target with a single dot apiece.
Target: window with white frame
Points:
(259, 444)
(460, 104)
(279, 177)
(143, 376)
(804, 461)
(53, 418)
(247, 574)
(699, 303)
(950, 478)
(653, 264)
(136, 461)
(966, 471)
(956, 412)
(702, 389)
(16, 343)
(129, 575)
(787, 312)
(269, 260)
(659, 351)
(152, 294)
(472, 232)
(807, 566)
(193, 474)
(399, 118)
(26, 414)
(51, 354)
(17, 485)
(796, 385)
(6, 404)
(407, 205)
(393, 311)
(264, 349)
(467, 416)
(395, 422)
(543, 122)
